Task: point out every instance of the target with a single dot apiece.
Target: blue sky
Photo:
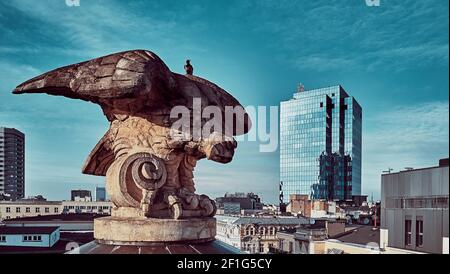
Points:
(392, 58)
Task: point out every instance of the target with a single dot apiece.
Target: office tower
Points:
(12, 164)
(100, 194)
(81, 195)
(320, 144)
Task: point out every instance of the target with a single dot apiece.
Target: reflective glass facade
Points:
(320, 144)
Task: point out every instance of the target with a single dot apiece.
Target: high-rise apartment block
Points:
(12, 164)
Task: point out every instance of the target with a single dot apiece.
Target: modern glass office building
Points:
(320, 144)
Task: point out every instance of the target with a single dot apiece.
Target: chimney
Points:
(443, 162)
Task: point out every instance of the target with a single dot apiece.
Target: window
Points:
(47, 210)
(408, 232)
(250, 230)
(17, 209)
(27, 210)
(262, 231)
(261, 248)
(272, 230)
(2, 238)
(35, 238)
(56, 210)
(291, 247)
(419, 233)
(8, 210)
(37, 210)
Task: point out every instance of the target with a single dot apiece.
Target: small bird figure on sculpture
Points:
(189, 68)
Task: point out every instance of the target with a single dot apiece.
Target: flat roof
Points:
(29, 202)
(19, 230)
(58, 248)
(415, 169)
(361, 235)
(244, 220)
(58, 218)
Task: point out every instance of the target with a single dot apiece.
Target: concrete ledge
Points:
(142, 231)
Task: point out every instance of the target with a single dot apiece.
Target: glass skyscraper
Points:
(320, 144)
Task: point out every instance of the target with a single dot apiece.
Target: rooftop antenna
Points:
(282, 204)
(300, 87)
(388, 171)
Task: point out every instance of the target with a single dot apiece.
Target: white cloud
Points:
(407, 136)
(340, 35)
(99, 27)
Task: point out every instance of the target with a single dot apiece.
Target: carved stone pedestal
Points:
(148, 231)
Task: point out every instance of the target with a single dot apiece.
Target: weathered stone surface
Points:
(137, 231)
(212, 247)
(148, 166)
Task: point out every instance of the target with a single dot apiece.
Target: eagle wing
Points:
(120, 75)
(126, 75)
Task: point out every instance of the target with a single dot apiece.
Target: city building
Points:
(333, 238)
(69, 207)
(302, 240)
(28, 236)
(34, 198)
(320, 144)
(32, 208)
(254, 234)
(414, 209)
(230, 202)
(231, 208)
(81, 195)
(100, 194)
(28, 208)
(74, 230)
(66, 222)
(303, 206)
(12, 164)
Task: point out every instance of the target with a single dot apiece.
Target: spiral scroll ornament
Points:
(147, 171)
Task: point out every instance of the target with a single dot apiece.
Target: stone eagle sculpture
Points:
(149, 170)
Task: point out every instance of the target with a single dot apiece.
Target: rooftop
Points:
(442, 163)
(19, 230)
(58, 218)
(263, 220)
(61, 246)
(361, 235)
(30, 201)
